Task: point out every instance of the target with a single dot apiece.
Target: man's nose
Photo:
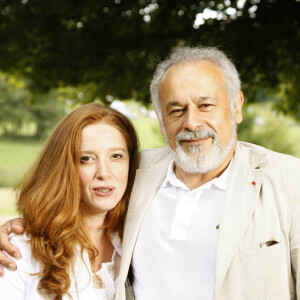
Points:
(193, 120)
(103, 169)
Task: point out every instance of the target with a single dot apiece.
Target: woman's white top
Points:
(19, 284)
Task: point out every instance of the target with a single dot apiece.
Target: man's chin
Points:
(198, 150)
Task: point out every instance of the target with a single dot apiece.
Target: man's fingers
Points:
(17, 225)
(6, 262)
(5, 244)
(13, 226)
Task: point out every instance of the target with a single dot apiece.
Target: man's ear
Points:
(238, 104)
(161, 128)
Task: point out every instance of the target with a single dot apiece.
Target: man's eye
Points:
(205, 105)
(176, 111)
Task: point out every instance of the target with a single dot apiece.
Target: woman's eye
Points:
(117, 156)
(85, 159)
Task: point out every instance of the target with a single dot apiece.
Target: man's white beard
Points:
(197, 160)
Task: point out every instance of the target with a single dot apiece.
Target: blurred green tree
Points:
(264, 127)
(14, 112)
(115, 45)
(23, 114)
(46, 111)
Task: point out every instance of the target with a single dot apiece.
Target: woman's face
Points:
(104, 166)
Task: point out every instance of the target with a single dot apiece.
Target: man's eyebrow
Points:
(172, 104)
(203, 98)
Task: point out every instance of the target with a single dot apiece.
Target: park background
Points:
(57, 55)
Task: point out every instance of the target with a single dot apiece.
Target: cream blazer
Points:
(262, 204)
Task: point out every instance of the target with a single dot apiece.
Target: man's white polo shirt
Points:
(175, 253)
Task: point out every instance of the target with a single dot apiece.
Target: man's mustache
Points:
(199, 134)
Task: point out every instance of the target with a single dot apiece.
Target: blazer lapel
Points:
(241, 196)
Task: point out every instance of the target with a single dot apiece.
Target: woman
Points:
(73, 201)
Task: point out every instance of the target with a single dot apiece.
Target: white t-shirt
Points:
(175, 253)
(20, 285)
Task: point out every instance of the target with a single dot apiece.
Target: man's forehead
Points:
(187, 70)
(201, 75)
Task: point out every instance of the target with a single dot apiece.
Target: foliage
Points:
(264, 127)
(24, 114)
(149, 133)
(14, 112)
(46, 111)
(114, 45)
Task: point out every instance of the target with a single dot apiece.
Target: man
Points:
(210, 217)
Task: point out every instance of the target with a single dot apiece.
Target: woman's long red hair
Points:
(49, 196)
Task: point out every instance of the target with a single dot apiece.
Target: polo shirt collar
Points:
(219, 182)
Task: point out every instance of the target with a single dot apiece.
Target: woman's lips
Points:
(104, 191)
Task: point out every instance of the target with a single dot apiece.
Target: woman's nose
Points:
(103, 170)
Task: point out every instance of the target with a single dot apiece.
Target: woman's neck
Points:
(100, 241)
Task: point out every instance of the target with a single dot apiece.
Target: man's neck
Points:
(194, 180)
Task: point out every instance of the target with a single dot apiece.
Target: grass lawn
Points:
(15, 158)
(7, 201)
(7, 204)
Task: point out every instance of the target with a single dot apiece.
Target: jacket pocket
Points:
(262, 254)
(268, 269)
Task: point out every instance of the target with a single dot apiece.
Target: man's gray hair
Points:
(196, 54)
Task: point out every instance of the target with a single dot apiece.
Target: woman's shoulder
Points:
(27, 261)
(22, 242)
(16, 284)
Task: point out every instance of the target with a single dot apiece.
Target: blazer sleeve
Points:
(295, 243)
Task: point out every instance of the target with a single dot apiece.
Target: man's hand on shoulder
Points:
(12, 226)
